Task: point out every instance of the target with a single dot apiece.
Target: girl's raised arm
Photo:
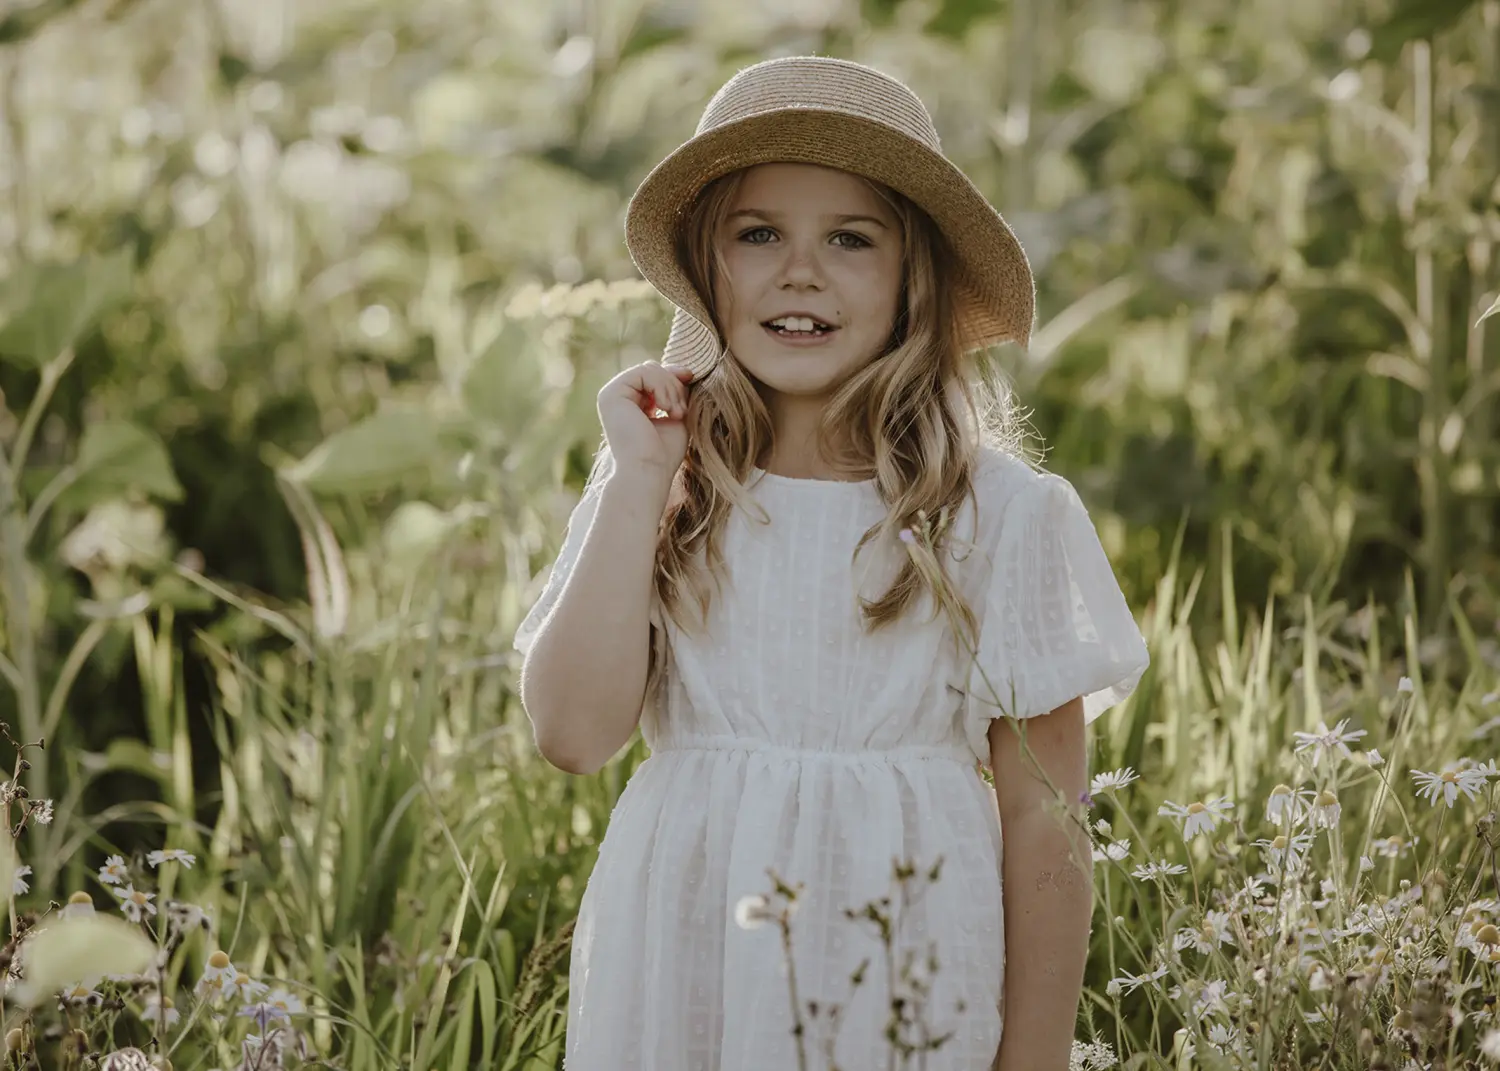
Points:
(587, 639)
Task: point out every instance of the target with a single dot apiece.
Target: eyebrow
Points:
(840, 220)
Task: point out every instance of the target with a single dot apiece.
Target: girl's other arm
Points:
(1047, 883)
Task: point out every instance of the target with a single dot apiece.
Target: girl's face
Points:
(807, 241)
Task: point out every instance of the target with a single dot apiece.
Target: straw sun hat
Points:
(817, 110)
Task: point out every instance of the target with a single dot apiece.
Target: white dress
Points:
(786, 738)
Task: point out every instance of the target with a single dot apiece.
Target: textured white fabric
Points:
(786, 737)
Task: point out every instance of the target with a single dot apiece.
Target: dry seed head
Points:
(14, 1039)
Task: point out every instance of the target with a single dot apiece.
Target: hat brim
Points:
(997, 293)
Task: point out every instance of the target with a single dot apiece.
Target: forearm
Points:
(585, 678)
(1048, 889)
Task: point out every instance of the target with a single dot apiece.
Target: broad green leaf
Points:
(1412, 20)
(117, 456)
(79, 949)
(1493, 310)
(372, 455)
(45, 308)
(503, 386)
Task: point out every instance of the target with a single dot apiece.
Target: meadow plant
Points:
(86, 986)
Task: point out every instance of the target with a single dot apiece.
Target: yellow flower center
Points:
(1196, 808)
(218, 961)
(1281, 790)
(1488, 935)
(1327, 799)
(138, 896)
(80, 898)
(1280, 842)
(1451, 777)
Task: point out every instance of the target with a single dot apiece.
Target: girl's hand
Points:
(640, 441)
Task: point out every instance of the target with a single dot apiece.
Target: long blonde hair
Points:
(914, 418)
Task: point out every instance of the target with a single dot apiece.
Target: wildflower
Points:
(172, 855)
(1374, 758)
(1404, 686)
(157, 1010)
(1154, 871)
(1129, 983)
(1223, 1038)
(114, 872)
(19, 885)
(1286, 803)
(1449, 783)
(80, 904)
(41, 812)
(1112, 781)
(1326, 810)
(185, 916)
(289, 1003)
(1489, 1046)
(1326, 740)
(1366, 864)
(243, 986)
(135, 903)
(1096, 1055)
(1214, 996)
(215, 972)
(1197, 817)
(1115, 850)
(1213, 931)
(1293, 849)
(81, 994)
(1392, 847)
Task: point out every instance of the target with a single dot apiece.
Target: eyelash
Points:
(863, 242)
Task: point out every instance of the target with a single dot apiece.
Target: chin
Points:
(794, 374)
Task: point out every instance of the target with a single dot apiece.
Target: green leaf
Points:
(954, 18)
(1493, 310)
(1414, 19)
(503, 386)
(46, 308)
(118, 456)
(372, 455)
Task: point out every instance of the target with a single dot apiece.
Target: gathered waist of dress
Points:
(856, 756)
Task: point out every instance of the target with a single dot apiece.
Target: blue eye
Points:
(860, 242)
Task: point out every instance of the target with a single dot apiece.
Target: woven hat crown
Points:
(816, 82)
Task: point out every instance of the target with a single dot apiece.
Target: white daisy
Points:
(1223, 1038)
(1115, 849)
(243, 986)
(1489, 1046)
(1112, 781)
(80, 904)
(1129, 983)
(1449, 783)
(216, 972)
(1392, 847)
(1210, 934)
(1373, 758)
(157, 1011)
(1293, 849)
(1154, 871)
(289, 1003)
(172, 855)
(1404, 686)
(19, 885)
(1198, 817)
(1326, 810)
(81, 994)
(1284, 802)
(135, 904)
(114, 871)
(1214, 996)
(1327, 740)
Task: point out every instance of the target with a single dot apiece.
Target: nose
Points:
(801, 269)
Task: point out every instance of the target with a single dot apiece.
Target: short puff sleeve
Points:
(579, 521)
(1054, 623)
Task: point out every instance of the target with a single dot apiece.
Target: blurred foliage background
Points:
(304, 305)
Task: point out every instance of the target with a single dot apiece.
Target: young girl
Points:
(736, 581)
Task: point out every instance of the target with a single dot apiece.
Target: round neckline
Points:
(807, 481)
